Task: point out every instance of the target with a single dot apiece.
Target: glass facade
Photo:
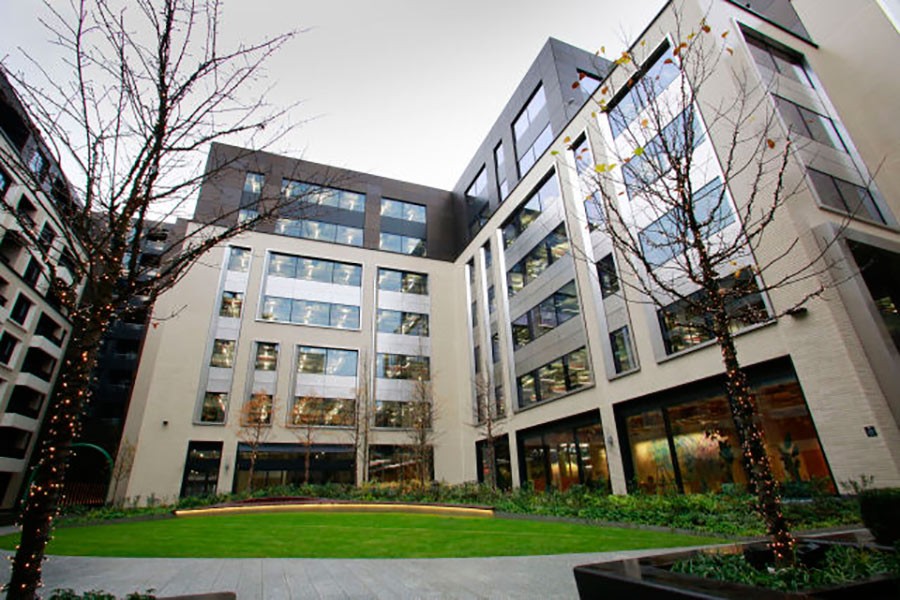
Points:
(686, 441)
(525, 215)
(239, 259)
(844, 196)
(284, 464)
(556, 378)
(402, 281)
(313, 360)
(214, 407)
(563, 453)
(394, 463)
(314, 269)
(201, 469)
(502, 464)
(323, 412)
(231, 304)
(546, 316)
(402, 366)
(406, 211)
(223, 354)
(880, 271)
(545, 253)
(401, 322)
(650, 81)
(309, 312)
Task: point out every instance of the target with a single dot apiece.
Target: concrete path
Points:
(538, 577)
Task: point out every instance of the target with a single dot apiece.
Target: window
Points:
(323, 412)
(320, 230)
(777, 59)
(546, 252)
(401, 244)
(8, 345)
(654, 76)
(257, 410)
(314, 269)
(312, 360)
(478, 189)
(584, 167)
(45, 239)
(588, 83)
(401, 366)
(541, 199)
(622, 351)
(223, 354)
(683, 325)
(32, 272)
(4, 182)
(609, 279)
(266, 356)
(322, 196)
(38, 165)
(253, 185)
(239, 259)
(808, 123)
(402, 281)
(406, 211)
(403, 323)
(500, 166)
(21, 309)
(231, 304)
(880, 270)
(533, 117)
(309, 312)
(546, 316)
(554, 379)
(668, 236)
(214, 407)
(844, 196)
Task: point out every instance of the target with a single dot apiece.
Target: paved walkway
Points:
(288, 578)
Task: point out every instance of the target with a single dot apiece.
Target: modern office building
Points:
(34, 198)
(369, 289)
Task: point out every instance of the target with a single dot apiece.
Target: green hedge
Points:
(880, 510)
(726, 514)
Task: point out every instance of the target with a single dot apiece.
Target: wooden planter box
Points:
(651, 577)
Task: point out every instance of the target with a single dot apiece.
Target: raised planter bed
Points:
(651, 577)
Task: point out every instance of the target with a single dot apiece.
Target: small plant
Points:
(858, 486)
(70, 594)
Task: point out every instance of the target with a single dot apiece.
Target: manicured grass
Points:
(348, 535)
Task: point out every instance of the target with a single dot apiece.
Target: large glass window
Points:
(622, 350)
(319, 230)
(223, 354)
(253, 185)
(214, 408)
(322, 196)
(880, 270)
(684, 325)
(808, 123)
(406, 211)
(266, 356)
(402, 366)
(777, 59)
(565, 453)
(401, 244)
(528, 213)
(478, 188)
(609, 278)
(314, 269)
(546, 316)
(402, 322)
(312, 360)
(554, 379)
(532, 117)
(231, 304)
(650, 81)
(546, 252)
(500, 166)
(844, 196)
(323, 412)
(669, 237)
(309, 312)
(239, 259)
(405, 282)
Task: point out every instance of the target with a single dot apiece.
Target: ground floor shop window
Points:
(285, 464)
(201, 469)
(684, 440)
(502, 465)
(398, 464)
(564, 453)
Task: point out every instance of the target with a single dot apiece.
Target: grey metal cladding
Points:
(403, 227)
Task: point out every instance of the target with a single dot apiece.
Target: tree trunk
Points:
(306, 465)
(252, 469)
(752, 439)
(67, 403)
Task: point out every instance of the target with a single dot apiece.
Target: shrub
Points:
(879, 510)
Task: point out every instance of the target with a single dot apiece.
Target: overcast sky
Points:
(400, 88)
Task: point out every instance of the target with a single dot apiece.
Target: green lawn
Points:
(348, 535)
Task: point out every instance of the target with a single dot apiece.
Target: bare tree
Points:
(151, 88)
(303, 426)
(420, 416)
(487, 413)
(122, 468)
(705, 260)
(362, 421)
(254, 426)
